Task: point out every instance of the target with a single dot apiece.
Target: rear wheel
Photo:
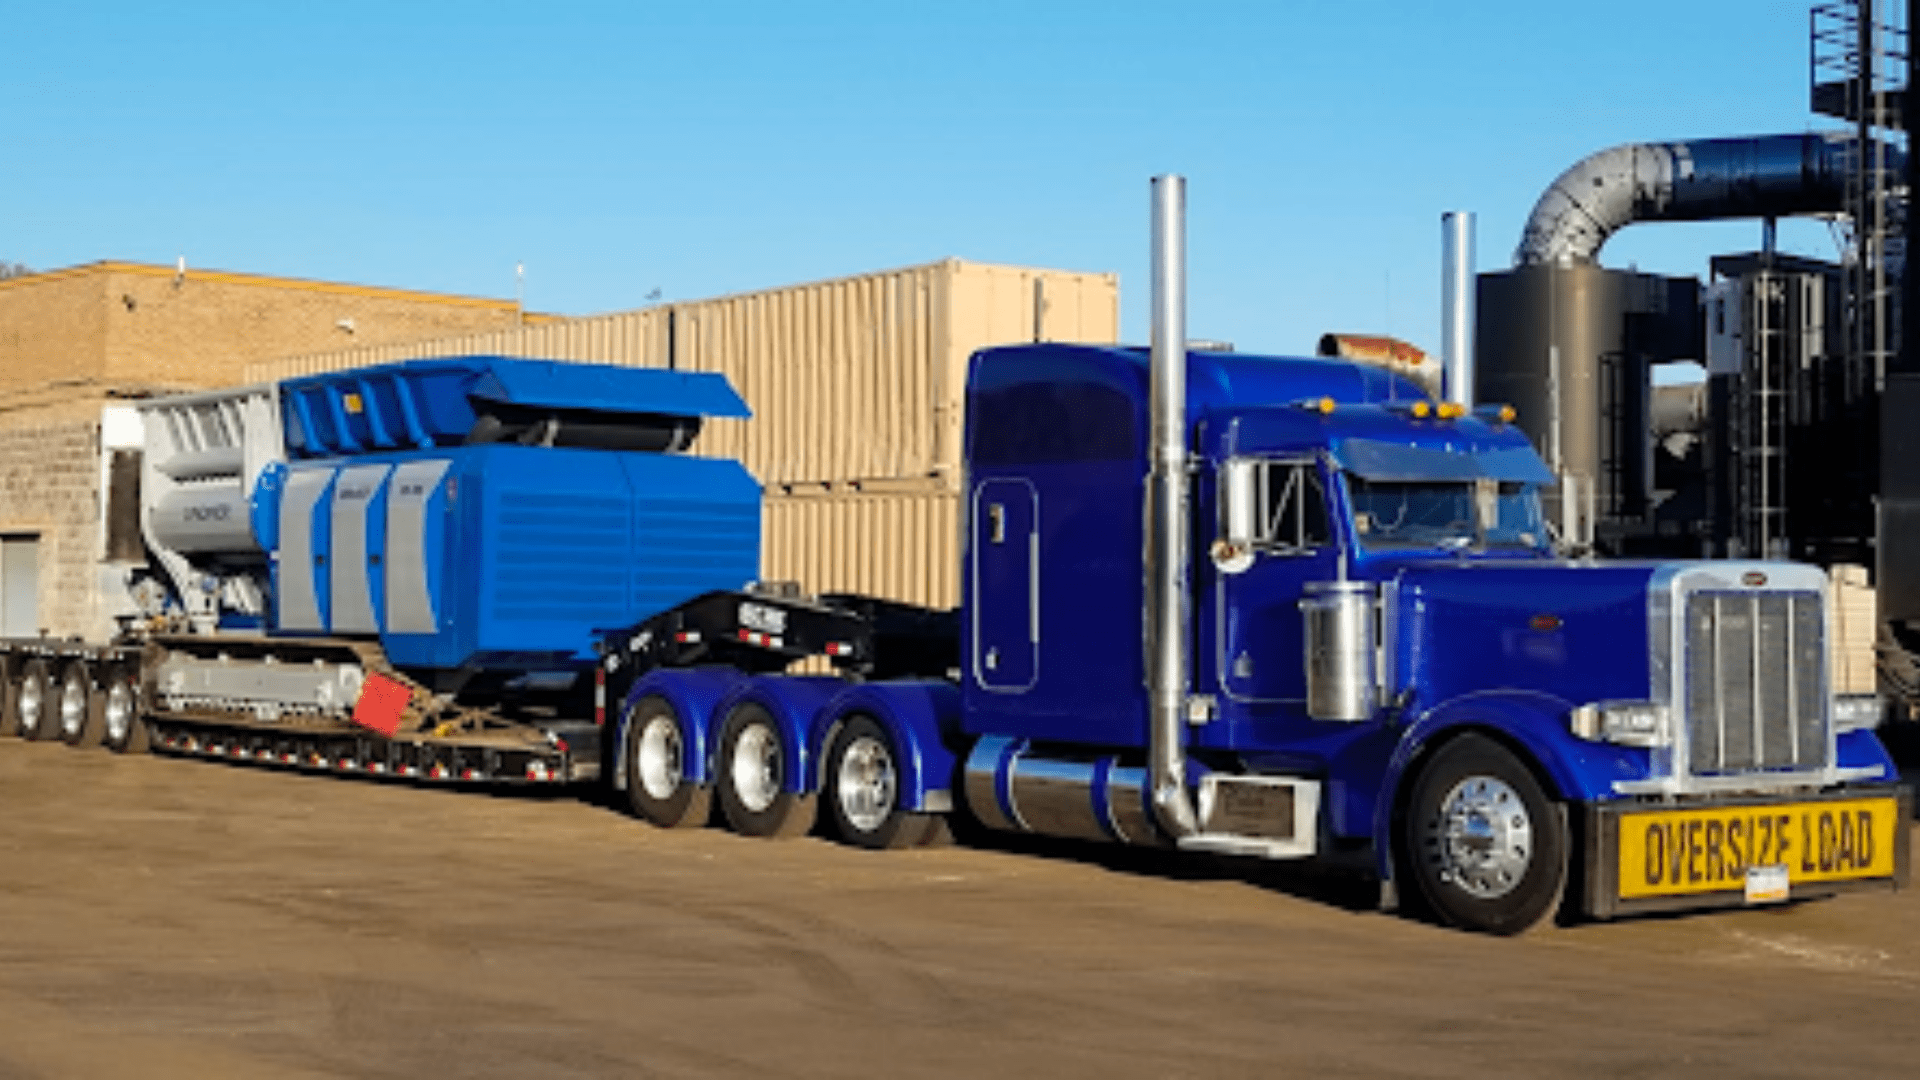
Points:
(863, 790)
(1485, 845)
(656, 755)
(123, 729)
(82, 708)
(9, 722)
(754, 766)
(32, 701)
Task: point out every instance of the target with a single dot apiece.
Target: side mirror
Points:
(1240, 516)
(1240, 499)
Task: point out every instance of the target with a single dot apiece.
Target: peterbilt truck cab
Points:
(1388, 656)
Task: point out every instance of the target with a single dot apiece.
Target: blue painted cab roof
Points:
(1214, 379)
(1241, 403)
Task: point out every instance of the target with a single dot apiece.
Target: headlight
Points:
(1625, 723)
(1857, 712)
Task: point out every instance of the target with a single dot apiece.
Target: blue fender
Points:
(1534, 723)
(794, 702)
(924, 720)
(693, 693)
(1864, 750)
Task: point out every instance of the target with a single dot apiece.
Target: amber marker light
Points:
(1420, 410)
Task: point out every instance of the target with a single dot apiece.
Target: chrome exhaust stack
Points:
(1456, 313)
(1166, 546)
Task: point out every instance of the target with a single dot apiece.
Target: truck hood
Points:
(1576, 631)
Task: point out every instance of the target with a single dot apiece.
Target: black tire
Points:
(9, 723)
(656, 760)
(82, 706)
(753, 767)
(123, 728)
(34, 708)
(1487, 849)
(862, 787)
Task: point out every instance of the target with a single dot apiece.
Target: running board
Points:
(1265, 817)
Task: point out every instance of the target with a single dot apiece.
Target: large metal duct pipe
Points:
(1698, 180)
(1166, 554)
(1456, 313)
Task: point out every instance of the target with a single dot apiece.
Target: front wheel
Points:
(1486, 846)
(754, 766)
(656, 752)
(863, 790)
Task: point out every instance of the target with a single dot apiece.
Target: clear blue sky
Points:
(715, 147)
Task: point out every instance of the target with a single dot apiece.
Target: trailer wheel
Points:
(863, 790)
(32, 702)
(1486, 845)
(656, 761)
(9, 720)
(82, 707)
(754, 764)
(123, 729)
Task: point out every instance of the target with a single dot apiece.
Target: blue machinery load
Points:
(456, 530)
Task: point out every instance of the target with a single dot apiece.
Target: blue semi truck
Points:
(1283, 609)
(1258, 607)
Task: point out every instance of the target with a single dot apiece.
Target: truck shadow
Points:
(1342, 886)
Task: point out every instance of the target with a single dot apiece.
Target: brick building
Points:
(78, 345)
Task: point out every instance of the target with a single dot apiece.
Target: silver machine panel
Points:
(353, 495)
(203, 517)
(270, 691)
(410, 601)
(299, 576)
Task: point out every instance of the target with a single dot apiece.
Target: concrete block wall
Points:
(135, 325)
(50, 488)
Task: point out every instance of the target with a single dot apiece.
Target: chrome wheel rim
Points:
(119, 711)
(658, 758)
(1482, 838)
(866, 784)
(32, 701)
(73, 708)
(756, 768)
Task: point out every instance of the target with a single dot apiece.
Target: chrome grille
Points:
(1755, 678)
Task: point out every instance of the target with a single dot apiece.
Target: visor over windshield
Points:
(1379, 459)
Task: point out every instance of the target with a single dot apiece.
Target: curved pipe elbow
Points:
(1695, 180)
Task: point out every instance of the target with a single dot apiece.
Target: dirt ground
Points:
(170, 918)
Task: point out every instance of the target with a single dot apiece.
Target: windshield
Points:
(1445, 514)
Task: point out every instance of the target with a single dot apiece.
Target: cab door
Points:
(1261, 633)
(1006, 581)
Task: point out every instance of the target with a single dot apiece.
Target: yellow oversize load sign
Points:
(1677, 852)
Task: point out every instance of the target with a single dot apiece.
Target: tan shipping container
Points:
(854, 379)
(901, 544)
(631, 338)
(1853, 628)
